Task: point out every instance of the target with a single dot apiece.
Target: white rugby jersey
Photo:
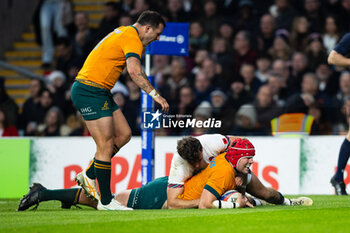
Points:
(181, 170)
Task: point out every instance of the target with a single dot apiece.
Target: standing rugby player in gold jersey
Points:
(91, 95)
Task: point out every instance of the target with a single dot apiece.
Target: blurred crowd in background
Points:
(250, 61)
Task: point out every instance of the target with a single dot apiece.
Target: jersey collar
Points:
(135, 28)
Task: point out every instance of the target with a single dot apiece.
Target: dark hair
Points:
(185, 86)
(48, 91)
(199, 22)
(41, 83)
(152, 18)
(59, 113)
(189, 148)
(245, 34)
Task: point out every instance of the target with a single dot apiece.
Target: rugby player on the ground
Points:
(193, 155)
(207, 186)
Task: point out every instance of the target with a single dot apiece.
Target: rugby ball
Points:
(230, 196)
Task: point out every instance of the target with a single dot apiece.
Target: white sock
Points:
(286, 201)
(257, 202)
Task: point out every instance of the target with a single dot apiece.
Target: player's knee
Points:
(123, 197)
(125, 137)
(128, 136)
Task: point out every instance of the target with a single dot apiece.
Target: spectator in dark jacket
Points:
(284, 14)
(243, 52)
(9, 106)
(30, 106)
(110, 20)
(66, 57)
(85, 38)
(266, 108)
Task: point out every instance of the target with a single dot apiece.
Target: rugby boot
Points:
(113, 205)
(32, 198)
(89, 185)
(339, 187)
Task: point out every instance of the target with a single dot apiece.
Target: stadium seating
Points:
(26, 53)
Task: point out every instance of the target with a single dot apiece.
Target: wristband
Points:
(153, 93)
(218, 204)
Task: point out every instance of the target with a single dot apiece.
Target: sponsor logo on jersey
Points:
(105, 106)
(85, 110)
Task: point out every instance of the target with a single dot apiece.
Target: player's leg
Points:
(102, 132)
(96, 105)
(338, 179)
(122, 131)
(68, 197)
(123, 197)
(122, 135)
(88, 101)
(257, 189)
(83, 199)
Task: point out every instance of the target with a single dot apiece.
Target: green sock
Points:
(103, 175)
(66, 196)
(90, 171)
(115, 150)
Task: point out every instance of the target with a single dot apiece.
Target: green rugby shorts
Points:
(92, 102)
(151, 196)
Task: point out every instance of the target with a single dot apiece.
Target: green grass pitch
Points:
(328, 214)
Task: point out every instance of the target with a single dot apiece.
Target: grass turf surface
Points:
(328, 214)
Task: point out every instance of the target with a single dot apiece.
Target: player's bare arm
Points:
(338, 59)
(138, 75)
(140, 78)
(207, 201)
(176, 203)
